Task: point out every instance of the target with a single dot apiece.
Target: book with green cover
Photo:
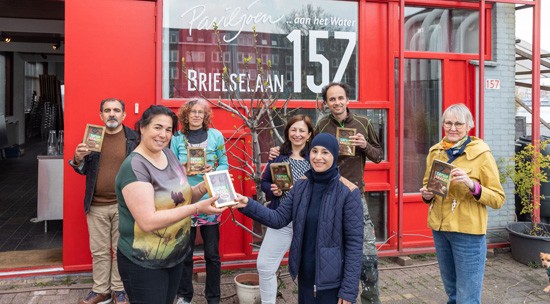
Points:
(281, 175)
(345, 147)
(439, 180)
(93, 137)
(219, 183)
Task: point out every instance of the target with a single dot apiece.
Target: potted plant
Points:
(527, 169)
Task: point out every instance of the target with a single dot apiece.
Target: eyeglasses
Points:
(197, 113)
(458, 125)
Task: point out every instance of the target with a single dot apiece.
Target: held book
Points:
(219, 183)
(281, 175)
(345, 147)
(196, 160)
(439, 180)
(93, 137)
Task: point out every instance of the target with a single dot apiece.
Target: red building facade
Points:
(140, 51)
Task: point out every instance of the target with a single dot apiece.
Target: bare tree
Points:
(258, 112)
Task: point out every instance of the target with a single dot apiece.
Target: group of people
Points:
(143, 207)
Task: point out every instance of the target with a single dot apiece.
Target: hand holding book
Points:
(241, 200)
(275, 190)
(440, 178)
(460, 176)
(207, 206)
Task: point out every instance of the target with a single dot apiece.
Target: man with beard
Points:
(100, 202)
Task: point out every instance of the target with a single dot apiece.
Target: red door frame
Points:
(109, 52)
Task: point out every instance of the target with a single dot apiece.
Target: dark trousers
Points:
(211, 237)
(148, 286)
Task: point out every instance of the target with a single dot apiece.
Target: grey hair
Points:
(461, 112)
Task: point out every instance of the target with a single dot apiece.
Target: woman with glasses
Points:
(459, 220)
(195, 117)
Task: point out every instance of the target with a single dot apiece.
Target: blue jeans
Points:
(148, 286)
(211, 237)
(461, 260)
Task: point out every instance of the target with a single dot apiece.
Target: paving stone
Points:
(506, 281)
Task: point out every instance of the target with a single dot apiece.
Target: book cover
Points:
(196, 160)
(219, 183)
(439, 180)
(345, 147)
(281, 175)
(93, 137)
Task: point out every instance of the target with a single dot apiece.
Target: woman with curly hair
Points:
(195, 119)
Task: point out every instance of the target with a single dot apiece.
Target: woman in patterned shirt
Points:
(297, 133)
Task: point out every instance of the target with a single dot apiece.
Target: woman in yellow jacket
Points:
(459, 220)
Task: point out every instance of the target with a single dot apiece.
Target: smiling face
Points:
(157, 134)
(321, 159)
(337, 101)
(196, 117)
(112, 115)
(298, 134)
(455, 128)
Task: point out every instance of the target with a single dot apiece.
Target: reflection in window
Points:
(174, 56)
(174, 38)
(378, 118)
(422, 79)
(378, 210)
(300, 45)
(441, 30)
(174, 73)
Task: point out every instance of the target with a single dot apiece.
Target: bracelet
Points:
(196, 210)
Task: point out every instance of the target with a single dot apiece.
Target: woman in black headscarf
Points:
(326, 212)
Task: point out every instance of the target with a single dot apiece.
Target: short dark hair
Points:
(109, 100)
(153, 111)
(344, 86)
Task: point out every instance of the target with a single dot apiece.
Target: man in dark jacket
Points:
(335, 96)
(100, 202)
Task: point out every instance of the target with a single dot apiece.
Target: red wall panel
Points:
(109, 52)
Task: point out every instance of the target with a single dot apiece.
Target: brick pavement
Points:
(506, 281)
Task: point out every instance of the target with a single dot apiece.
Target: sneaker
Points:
(181, 300)
(119, 297)
(96, 298)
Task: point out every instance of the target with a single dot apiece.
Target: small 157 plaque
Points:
(93, 137)
(439, 180)
(219, 183)
(281, 175)
(345, 147)
(196, 160)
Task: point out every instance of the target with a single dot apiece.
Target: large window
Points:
(317, 40)
(423, 104)
(441, 30)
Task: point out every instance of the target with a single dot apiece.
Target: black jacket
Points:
(91, 164)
